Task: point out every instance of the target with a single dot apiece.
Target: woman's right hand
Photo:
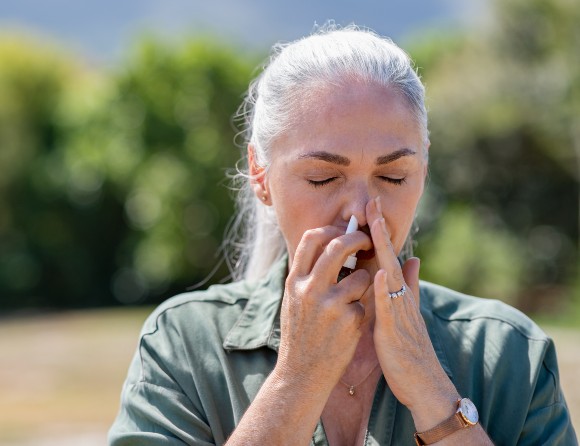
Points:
(320, 318)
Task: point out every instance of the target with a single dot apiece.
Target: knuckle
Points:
(319, 235)
(289, 284)
(303, 288)
(311, 234)
(296, 288)
(335, 246)
(292, 276)
(332, 308)
(356, 315)
(397, 274)
(308, 292)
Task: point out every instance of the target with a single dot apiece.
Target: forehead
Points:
(354, 117)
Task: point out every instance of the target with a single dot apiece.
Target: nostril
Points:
(366, 229)
(360, 217)
(370, 253)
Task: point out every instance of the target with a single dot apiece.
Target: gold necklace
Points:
(351, 387)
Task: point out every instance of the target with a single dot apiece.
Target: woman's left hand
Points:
(402, 344)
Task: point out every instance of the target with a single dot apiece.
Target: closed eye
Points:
(396, 181)
(321, 183)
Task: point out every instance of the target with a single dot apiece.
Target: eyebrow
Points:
(386, 159)
(344, 161)
(326, 156)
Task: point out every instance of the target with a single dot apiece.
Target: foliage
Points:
(163, 141)
(506, 140)
(116, 185)
(484, 259)
(36, 235)
(113, 187)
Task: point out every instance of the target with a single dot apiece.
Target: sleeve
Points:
(155, 410)
(548, 420)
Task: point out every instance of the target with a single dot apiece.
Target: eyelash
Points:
(395, 181)
(322, 182)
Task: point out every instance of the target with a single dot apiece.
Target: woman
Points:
(337, 128)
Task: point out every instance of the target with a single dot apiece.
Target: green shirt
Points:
(202, 357)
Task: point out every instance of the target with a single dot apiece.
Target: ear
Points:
(258, 177)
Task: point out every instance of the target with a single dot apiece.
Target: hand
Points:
(320, 318)
(405, 352)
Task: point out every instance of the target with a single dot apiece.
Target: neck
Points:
(365, 355)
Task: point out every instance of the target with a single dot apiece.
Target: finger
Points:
(373, 210)
(384, 250)
(383, 303)
(385, 255)
(411, 275)
(336, 252)
(311, 245)
(354, 286)
(395, 280)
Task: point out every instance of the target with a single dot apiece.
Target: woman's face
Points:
(347, 145)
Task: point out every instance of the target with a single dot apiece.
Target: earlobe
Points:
(257, 175)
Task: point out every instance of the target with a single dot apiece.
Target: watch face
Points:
(468, 411)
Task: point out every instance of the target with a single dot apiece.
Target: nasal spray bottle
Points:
(350, 263)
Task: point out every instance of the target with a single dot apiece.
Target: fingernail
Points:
(378, 204)
(384, 226)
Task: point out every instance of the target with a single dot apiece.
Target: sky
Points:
(104, 30)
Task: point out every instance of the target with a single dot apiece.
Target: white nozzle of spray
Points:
(351, 259)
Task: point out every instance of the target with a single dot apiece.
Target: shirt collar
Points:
(259, 324)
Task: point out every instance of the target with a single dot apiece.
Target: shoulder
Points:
(219, 305)
(212, 313)
(451, 306)
(187, 329)
(485, 338)
(503, 361)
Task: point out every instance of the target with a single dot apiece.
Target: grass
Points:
(61, 374)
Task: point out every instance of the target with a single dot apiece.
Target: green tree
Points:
(117, 189)
(39, 230)
(504, 108)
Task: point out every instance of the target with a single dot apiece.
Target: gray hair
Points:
(331, 56)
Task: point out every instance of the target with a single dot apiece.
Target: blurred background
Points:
(116, 135)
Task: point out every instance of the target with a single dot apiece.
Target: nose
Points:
(355, 202)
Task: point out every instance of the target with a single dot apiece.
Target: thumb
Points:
(411, 275)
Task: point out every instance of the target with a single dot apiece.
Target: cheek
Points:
(291, 207)
(297, 210)
(399, 213)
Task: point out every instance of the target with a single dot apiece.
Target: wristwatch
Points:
(466, 416)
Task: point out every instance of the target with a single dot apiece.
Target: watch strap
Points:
(452, 424)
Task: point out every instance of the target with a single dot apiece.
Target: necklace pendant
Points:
(351, 390)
